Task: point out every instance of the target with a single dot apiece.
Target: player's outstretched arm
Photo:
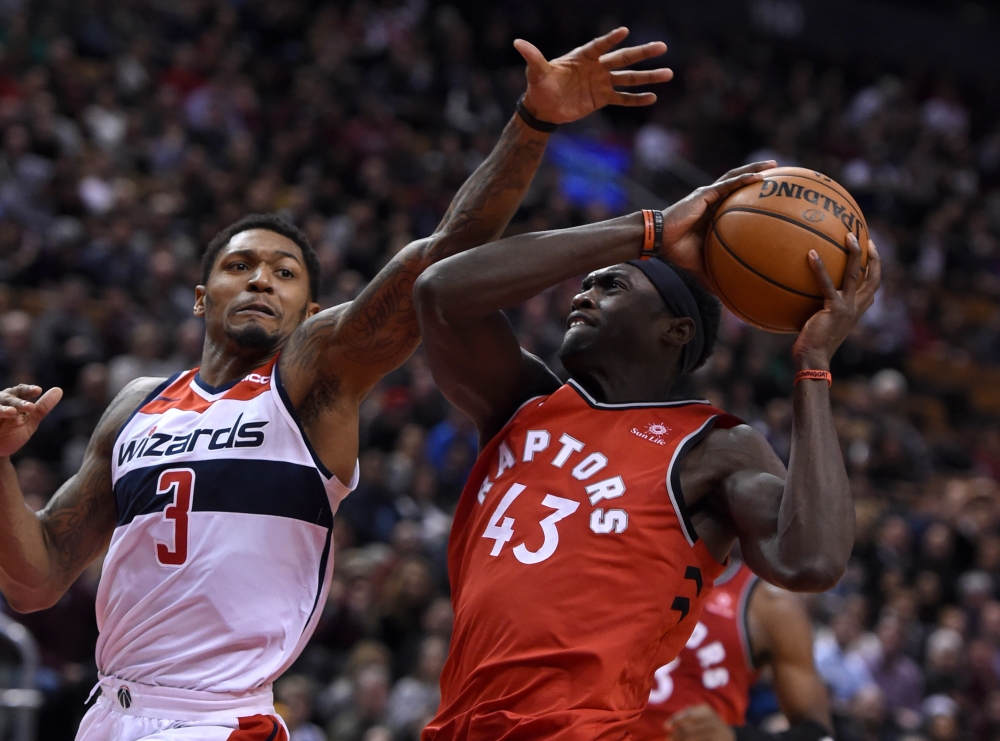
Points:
(341, 353)
(472, 349)
(42, 554)
(796, 529)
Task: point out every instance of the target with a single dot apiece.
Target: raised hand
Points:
(19, 415)
(828, 327)
(582, 81)
(686, 222)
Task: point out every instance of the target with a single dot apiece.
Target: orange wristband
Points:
(814, 375)
(648, 235)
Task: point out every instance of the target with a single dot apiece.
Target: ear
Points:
(199, 300)
(312, 309)
(678, 331)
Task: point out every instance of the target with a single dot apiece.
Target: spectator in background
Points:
(294, 695)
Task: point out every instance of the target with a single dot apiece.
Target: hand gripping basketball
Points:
(828, 328)
(582, 81)
(686, 222)
(19, 415)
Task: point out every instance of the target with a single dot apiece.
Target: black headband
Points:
(680, 302)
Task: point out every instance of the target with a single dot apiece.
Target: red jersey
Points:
(715, 666)
(574, 569)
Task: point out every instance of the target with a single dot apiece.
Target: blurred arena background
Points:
(131, 131)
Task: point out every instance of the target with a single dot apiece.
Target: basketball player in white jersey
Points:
(216, 489)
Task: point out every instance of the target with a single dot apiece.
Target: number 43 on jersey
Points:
(501, 528)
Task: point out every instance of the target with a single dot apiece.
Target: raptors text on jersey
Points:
(573, 566)
(222, 555)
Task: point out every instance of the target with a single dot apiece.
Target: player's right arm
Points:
(473, 351)
(42, 554)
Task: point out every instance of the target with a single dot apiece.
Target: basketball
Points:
(757, 247)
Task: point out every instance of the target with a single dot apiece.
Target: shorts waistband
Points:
(172, 703)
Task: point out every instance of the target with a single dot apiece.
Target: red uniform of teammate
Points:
(569, 487)
(715, 665)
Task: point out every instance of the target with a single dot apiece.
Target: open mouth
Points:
(578, 318)
(257, 308)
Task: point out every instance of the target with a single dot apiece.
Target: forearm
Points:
(24, 557)
(486, 202)
(815, 529)
(507, 272)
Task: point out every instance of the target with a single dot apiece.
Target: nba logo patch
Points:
(124, 697)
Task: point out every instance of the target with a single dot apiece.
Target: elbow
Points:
(430, 293)
(814, 575)
(25, 601)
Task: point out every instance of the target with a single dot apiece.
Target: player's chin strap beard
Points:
(680, 302)
(253, 337)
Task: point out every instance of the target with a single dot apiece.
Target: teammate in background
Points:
(745, 625)
(216, 489)
(598, 511)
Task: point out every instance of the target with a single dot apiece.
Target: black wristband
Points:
(809, 730)
(531, 121)
(658, 232)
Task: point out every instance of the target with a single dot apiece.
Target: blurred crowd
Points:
(131, 131)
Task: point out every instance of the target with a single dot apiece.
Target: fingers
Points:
(534, 58)
(48, 401)
(633, 55)
(594, 49)
(630, 78)
(853, 271)
(825, 282)
(632, 99)
(17, 400)
(722, 188)
(752, 167)
(872, 278)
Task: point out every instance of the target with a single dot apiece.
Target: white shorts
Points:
(127, 711)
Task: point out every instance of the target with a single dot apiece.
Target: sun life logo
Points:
(654, 433)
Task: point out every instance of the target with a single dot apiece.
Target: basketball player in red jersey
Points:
(745, 625)
(189, 507)
(599, 511)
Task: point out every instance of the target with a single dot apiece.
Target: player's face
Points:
(616, 311)
(257, 292)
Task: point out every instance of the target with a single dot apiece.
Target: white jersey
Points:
(221, 560)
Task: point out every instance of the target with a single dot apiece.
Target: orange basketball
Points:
(758, 244)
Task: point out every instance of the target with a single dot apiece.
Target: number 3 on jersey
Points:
(501, 528)
(180, 483)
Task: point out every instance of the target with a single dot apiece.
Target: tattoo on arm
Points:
(78, 521)
(352, 348)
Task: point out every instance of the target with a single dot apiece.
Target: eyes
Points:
(239, 266)
(609, 282)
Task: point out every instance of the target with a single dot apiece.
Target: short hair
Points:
(710, 309)
(272, 223)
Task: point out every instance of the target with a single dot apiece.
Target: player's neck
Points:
(626, 386)
(221, 365)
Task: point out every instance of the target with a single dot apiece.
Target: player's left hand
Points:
(698, 723)
(828, 327)
(578, 83)
(686, 222)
